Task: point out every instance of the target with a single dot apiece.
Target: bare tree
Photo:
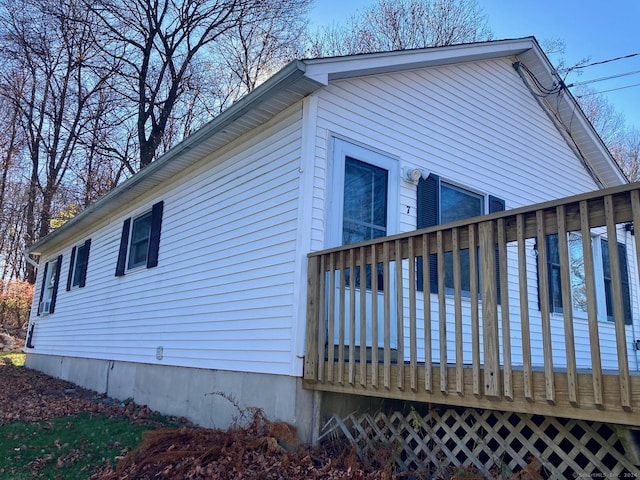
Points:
(262, 43)
(50, 79)
(403, 24)
(159, 42)
(11, 192)
(608, 122)
(627, 153)
(622, 142)
(72, 129)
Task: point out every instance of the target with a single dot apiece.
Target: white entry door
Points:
(363, 206)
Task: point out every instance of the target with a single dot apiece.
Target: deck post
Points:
(489, 310)
(311, 353)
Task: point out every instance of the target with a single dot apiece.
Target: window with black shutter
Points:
(438, 203)
(140, 240)
(78, 265)
(624, 281)
(49, 286)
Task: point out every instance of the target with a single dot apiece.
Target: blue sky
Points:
(594, 29)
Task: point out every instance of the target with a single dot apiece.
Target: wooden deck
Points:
(497, 345)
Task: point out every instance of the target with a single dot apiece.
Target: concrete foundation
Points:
(210, 398)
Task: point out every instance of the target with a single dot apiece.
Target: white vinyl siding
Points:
(227, 291)
(221, 295)
(475, 125)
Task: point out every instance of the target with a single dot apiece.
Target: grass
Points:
(70, 447)
(65, 447)
(16, 359)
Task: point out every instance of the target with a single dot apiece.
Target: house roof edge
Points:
(155, 173)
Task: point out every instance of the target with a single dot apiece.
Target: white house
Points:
(188, 282)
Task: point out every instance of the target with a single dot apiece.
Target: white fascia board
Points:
(324, 70)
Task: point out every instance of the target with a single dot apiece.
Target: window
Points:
(438, 203)
(140, 241)
(139, 244)
(624, 278)
(78, 265)
(458, 204)
(49, 288)
(602, 273)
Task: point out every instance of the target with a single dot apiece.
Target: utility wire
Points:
(610, 90)
(567, 70)
(603, 78)
(545, 91)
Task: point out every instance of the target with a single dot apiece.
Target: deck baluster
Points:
(475, 314)
(618, 309)
(426, 305)
(503, 300)
(543, 289)
(413, 341)
(527, 370)
(363, 315)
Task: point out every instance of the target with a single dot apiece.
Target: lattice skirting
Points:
(498, 444)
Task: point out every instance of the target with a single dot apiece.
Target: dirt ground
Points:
(259, 449)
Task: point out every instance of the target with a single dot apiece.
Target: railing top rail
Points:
(620, 192)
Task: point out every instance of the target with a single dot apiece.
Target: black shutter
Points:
(154, 238)
(42, 287)
(84, 262)
(553, 275)
(30, 337)
(56, 281)
(124, 243)
(71, 265)
(497, 205)
(428, 215)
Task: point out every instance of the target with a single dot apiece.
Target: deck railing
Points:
(391, 317)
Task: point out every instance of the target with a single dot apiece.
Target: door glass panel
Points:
(365, 202)
(365, 209)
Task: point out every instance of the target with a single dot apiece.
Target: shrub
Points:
(15, 303)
